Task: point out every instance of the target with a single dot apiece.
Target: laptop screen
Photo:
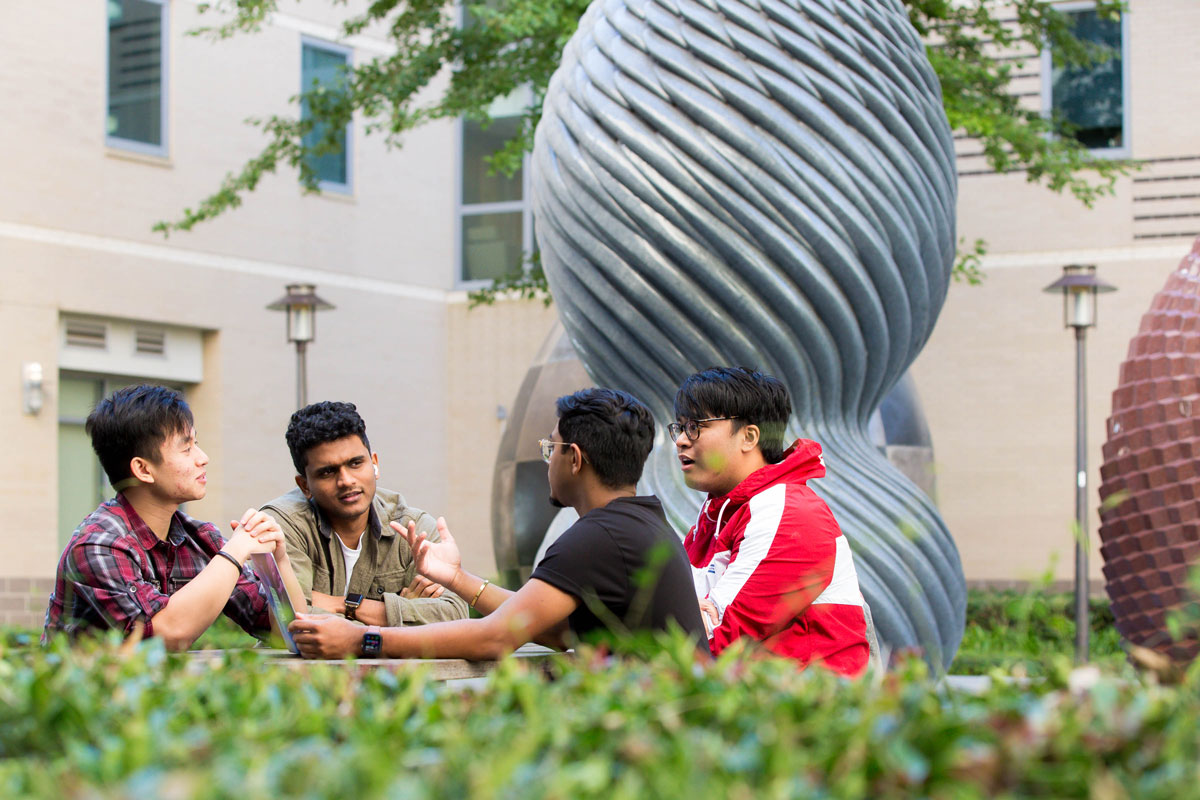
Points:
(280, 605)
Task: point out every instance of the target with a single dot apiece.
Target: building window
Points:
(1092, 98)
(496, 230)
(137, 71)
(323, 66)
(81, 483)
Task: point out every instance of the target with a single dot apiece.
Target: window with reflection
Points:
(136, 116)
(494, 221)
(1091, 98)
(322, 66)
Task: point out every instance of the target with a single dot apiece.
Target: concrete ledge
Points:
(443, 669)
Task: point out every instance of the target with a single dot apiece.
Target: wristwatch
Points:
(353, 601)
(372, 644)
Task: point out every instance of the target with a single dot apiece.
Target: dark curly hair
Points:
(135, 421)
(320, 423)
(613, 428)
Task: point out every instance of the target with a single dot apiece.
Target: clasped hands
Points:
(256, 532)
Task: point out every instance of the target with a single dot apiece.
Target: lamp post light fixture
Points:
(1079, 287)
(33, 395)
(301, 304)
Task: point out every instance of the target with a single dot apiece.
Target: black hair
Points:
(753, 397)
(133, 423)
(320, 423)
(613, 428)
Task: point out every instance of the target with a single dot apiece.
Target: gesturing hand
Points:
(437, 561)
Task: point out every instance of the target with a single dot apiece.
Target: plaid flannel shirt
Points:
(115, 571)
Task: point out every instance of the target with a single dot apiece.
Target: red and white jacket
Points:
(772, 559)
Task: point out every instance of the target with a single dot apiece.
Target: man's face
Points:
(180, 473)
(340, 477)
(709, 462)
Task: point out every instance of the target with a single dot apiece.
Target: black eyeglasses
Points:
(691, 427)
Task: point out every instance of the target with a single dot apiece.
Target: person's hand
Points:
(422, 587)
(326, 636)
(331, 603)
(255, 532)
(708, 613)
(265, 529)
(440, 562)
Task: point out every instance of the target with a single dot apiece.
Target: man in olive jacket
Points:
(346, 556)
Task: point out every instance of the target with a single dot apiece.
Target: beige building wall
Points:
(76, 239)
(998, 376)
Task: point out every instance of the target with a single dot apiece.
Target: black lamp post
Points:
(301, 304)
(1079, 286)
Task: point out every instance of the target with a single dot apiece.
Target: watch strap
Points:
(353, 601)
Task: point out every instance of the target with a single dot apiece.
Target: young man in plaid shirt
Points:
(137, 558)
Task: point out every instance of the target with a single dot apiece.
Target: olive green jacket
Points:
(384, 568)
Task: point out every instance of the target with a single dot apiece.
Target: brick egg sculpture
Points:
(1150, 479)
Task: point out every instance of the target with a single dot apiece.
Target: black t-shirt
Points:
(624, 564)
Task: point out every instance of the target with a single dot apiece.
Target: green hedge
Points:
(94, 722)
(1025, 630)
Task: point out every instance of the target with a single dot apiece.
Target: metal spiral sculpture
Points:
(771, 184)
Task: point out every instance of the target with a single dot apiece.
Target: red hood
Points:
(800, 462)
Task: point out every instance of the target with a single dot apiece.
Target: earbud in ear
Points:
(376, 470)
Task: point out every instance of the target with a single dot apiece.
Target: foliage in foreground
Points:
(94, 722)
(1025, 630)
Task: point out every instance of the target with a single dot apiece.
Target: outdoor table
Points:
(443, 669)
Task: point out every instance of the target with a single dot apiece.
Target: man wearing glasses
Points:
(620, 567)
(772, 564)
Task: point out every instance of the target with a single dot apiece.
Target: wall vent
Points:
(84, 333)
(151, 341)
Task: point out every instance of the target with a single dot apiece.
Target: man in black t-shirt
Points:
(620, 567)
(620, 562)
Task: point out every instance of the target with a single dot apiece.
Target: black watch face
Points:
(354, 600)
(372, 644)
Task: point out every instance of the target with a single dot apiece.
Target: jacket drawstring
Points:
(704, 515)
(720, 514)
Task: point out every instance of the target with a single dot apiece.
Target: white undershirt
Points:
(350, 557)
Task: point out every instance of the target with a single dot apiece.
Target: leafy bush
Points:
(96, 720)
(1010, 628)
(93, 721)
